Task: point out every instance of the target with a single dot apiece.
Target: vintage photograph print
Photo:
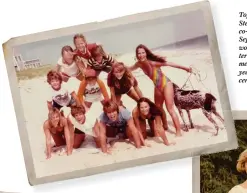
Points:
(119, 93)
(224, 172)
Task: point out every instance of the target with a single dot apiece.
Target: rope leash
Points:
(198, 77)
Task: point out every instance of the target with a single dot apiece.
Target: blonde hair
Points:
(76, 36)
(51, 113)
(127, 77)
(241, 162)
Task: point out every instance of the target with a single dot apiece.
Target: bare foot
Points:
(109, 151)
(171, 143)
(179, 134)
(148, 145)
(48, 156)
(111, 148)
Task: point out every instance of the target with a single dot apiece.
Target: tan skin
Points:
(56, 85)
(134, 93)
(68, 58)
(167, 95)
(100, 132)
(155, 125)
(47, 127)
(81, 44)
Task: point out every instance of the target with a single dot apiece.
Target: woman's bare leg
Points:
(159, 100)
(169, 101)
(133, 94)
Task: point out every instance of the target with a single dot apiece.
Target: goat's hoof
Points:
(186, 128)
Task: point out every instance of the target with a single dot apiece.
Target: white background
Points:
(27, 16)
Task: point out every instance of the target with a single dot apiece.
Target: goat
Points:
(196, 99)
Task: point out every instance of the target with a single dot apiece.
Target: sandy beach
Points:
(33, 94)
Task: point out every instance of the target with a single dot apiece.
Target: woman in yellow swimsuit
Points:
(150, 64)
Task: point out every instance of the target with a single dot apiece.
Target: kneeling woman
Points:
(115, 122)
(121, 81)
(56, 127)
(146, 109)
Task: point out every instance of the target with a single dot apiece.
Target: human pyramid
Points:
(116, 122)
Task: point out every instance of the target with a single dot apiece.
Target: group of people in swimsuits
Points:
(116, 122)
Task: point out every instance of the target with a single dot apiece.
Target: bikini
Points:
(158, 77)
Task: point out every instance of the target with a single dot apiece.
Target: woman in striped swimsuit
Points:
(150, 64)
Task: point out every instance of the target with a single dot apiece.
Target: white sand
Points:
(33, 93)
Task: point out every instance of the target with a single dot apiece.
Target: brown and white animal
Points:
(196, 99)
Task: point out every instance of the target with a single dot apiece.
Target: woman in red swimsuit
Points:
(150, 64)
(56, 128)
